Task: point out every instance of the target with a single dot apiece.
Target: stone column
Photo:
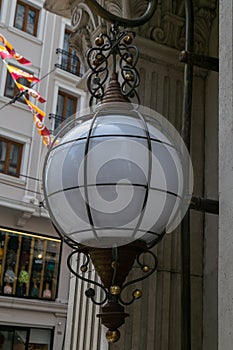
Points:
(225, 263)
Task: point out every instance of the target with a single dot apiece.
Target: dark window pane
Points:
(3, 149)
(70, 107)
(10, 157)
(60, 104)
(66, 44)
(31, 20)
(19, 18)
(20, 340)
(7, 338)
(13, 159)
(10, 86)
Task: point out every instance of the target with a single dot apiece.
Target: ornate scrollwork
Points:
(97, 60)
(98, 57)
(90, 293)
(148, 270)
(167, 27)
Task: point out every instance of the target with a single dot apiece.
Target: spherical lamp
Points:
(118, 175)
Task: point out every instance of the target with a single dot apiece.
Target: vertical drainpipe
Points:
(185, 225)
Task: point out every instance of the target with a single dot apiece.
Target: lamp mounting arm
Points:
(120, 21)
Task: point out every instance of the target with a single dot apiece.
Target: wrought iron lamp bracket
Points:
(117, 43)
(113, 293)
(148, 270)
(90, 293)
(108, 47)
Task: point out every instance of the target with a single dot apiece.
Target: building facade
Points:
(34, 278)
(155, 320)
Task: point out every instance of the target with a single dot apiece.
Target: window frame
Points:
(66, 95)
(71, 52)
(10, 142)
(25, 19)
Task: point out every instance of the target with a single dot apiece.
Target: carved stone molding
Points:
(84, 24)
(166, 27)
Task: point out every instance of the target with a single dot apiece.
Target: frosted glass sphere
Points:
(117, 176)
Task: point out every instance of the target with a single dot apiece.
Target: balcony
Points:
(69, 62)
(56, 120)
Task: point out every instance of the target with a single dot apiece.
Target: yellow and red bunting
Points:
(40, 114)
(17, 73)
(11, 52)
(8, 52)
(31, 92)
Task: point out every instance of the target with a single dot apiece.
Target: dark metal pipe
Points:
(205, 205)
(185, 225)
(202, 61)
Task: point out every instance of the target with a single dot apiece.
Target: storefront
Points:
(33, 304)
(29, 264)
(20, 338)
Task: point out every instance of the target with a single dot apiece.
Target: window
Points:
(69, 59)
(22, 338)
(11, 89)
(26, 18)
(10, 157)
(66, 106)
(29, 265)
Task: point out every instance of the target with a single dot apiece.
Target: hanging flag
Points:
(11, 52)
(37, 111)
(19, 73)
(31, 92)
(4, 53)
(42, 130)
(8, 52)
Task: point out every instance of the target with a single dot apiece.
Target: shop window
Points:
(24, 338)
(29, 265)
(66, 107)
(26, 18)
(10, 157)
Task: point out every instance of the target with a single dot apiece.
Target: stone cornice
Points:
(166, 27)
(33, 305)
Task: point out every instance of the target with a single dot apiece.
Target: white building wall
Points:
(20, 197)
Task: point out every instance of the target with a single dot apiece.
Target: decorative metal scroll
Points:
(108, 296)
(147, 270)
(90, 293)
(118, 43)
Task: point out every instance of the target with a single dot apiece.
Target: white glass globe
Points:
(118, 176)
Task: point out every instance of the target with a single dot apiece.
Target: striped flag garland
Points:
(7, 52)
(31, 92)
(11, 52)
(17, 73)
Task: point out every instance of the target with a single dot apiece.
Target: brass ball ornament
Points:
(113, 336)
(99, 41)
(115, 290)
(137, 294)
(145, 268)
